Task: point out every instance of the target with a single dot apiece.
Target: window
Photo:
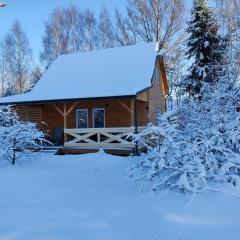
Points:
(82, 118)
(157, 76)
(98, 117)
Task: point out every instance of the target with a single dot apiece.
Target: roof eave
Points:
(143, 90)
(67, 100)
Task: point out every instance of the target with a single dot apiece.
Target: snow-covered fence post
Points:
(136, 126)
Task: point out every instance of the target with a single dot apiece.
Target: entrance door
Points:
(82, 118)
(98, 117)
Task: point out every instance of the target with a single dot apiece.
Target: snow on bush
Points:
(17, 138)
(195, 147)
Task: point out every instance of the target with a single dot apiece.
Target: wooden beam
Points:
(102, 130)
(99, 130)
(97, 145)
(144, 96)
(65, 113)
(164, 76)
(58, 109)
(65, 119)
(71, 108)
(124, 105)
(136, 125)
(129, 109)
(132, 112)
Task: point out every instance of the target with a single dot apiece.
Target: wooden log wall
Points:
(118, 113)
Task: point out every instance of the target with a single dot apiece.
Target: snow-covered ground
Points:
(88, 197)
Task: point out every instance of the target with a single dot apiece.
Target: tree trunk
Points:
(14, 157)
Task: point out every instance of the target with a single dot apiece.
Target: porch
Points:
(107, 124)
(86, 126)
(108, 139)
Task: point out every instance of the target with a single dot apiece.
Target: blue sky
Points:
(33, 13)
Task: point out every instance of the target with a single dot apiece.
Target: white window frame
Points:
(104, 123)
(78, 110)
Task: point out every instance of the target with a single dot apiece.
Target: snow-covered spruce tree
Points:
(17, 138)
(203, 48)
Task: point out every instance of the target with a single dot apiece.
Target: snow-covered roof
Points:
(112, 72)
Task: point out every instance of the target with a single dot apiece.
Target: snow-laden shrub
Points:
(17, 138)
(195, 147)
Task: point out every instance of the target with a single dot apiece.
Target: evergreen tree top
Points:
(204, 46)
(203, 31)
(201, 9)
(200, 3)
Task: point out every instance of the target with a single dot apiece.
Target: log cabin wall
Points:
(142, 113)
(115, 114)
(156, 103)
(118, 113)
(30, 113)
(157, 94)
(52, 118)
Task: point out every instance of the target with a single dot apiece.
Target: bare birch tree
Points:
(105, 30)
(54, 38)
(35, 76)
(124, 34)
(68, 30)
(3, 76)
(228, 12)
(74, 25)
(90, 29)
(158, 20)
(17, 58)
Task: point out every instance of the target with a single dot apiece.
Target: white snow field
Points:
(88, 197)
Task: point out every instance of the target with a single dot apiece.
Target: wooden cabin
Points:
(95, 99)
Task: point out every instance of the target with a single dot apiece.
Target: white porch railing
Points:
(94, 138)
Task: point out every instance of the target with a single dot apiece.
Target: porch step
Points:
(50, 150)
(52, 147)
(121, 152)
